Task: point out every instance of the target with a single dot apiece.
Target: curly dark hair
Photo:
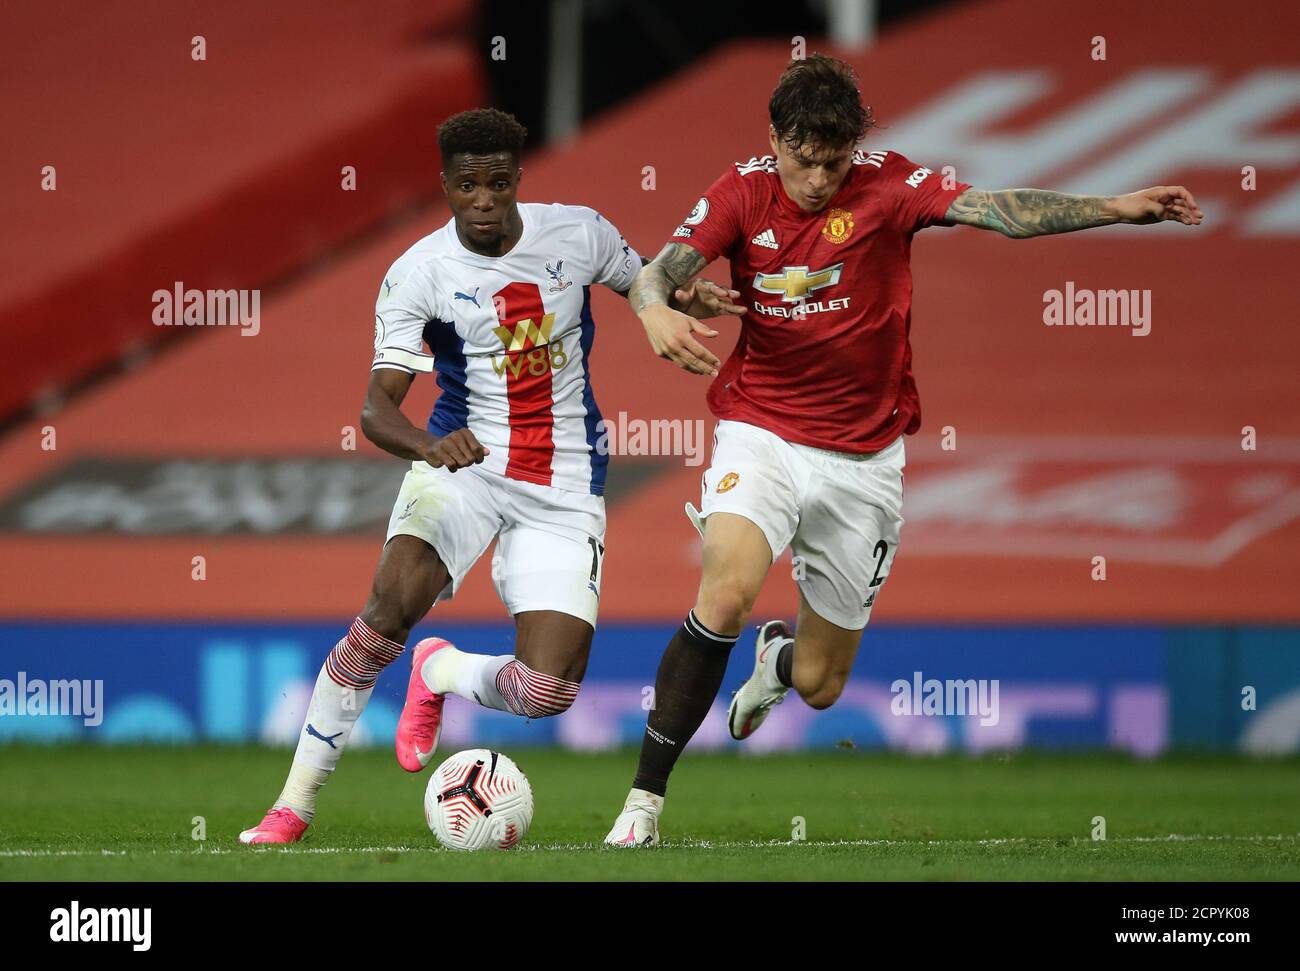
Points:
(481, 131)
(816, 102)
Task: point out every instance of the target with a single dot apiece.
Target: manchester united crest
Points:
(728, 482)
(839, 226)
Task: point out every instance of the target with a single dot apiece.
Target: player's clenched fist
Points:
(671, 336)
(454, 451)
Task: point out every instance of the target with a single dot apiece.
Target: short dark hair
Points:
(817, 102)
(481, 131)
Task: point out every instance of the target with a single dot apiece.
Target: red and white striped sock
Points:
(533, 694)
(499, 682)
(357, 660)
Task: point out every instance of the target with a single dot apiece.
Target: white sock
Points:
(644, 799)
(469, 676)
(333, 713)
(300, 789)
(344, 685)
(768, 673)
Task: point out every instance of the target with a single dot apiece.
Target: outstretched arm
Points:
(700, 299)
(667, 272)
(671, 333)
(1021, 213)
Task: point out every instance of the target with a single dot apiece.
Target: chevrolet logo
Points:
(794, 283)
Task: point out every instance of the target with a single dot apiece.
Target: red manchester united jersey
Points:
(823, 357)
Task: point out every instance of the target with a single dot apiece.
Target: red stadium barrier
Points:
(220, 173)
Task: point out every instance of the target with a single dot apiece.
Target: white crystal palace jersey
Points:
(510, 337)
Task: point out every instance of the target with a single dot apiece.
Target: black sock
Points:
(784, 663)
(690, 674)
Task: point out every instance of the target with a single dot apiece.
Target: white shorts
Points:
(840, 514)
(550, 542)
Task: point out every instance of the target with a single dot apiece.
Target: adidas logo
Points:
(765, 238)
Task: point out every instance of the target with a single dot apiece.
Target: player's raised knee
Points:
(534, 694)
(823, 691)
(823, 697)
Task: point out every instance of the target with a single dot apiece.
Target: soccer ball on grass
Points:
(478, 799)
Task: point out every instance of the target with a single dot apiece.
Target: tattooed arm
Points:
(1021, 213)
(671, 333)
(700, 298)
(645, 261)
(675, 264)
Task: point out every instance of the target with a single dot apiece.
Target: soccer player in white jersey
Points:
(501, 297)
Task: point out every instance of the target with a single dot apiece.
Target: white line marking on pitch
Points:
(675, 844)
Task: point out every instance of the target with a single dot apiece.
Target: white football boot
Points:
(638, 823)
(763, 691)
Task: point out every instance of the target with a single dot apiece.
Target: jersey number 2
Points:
(880, 552)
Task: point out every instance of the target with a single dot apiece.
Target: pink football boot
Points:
(277, 826)
(421, 722)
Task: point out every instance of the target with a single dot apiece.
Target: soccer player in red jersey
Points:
(815, 400)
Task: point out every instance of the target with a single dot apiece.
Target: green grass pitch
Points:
(96, 813)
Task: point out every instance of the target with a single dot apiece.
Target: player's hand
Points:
(458, 450)
(672, 336)
(703, 298)
(1158, 204)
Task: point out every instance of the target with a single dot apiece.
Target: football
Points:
(478, 799)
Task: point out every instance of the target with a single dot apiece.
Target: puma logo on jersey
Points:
(765, 238)
(465, 296)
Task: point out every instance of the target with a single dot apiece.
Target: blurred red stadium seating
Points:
(221, 173)
(1222, 354)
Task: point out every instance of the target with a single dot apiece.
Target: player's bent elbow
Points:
(367, 422)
